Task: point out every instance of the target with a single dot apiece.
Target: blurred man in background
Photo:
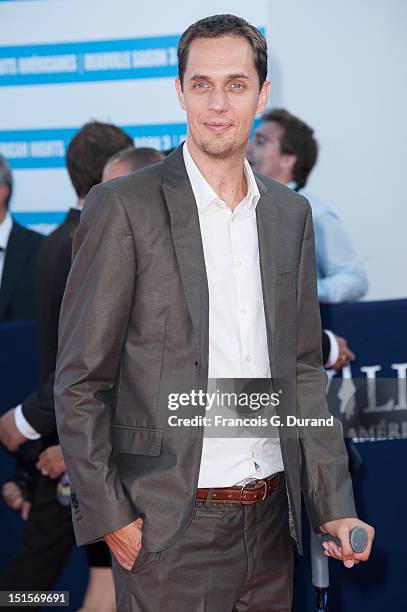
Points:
(18, 257)
(284, 148)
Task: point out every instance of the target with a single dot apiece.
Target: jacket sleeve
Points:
(325, 481)
(93, 323)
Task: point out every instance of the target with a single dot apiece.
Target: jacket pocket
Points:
(136, 440)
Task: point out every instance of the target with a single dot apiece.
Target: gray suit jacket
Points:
(134, 323)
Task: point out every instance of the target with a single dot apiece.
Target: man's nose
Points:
(218, 100)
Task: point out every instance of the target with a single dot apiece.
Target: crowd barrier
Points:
(377, 333)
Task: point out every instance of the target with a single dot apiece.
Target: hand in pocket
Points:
(125, 543)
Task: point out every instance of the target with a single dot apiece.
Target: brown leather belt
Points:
(245, 495)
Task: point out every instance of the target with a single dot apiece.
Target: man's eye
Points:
(237, 86)
(200, 85)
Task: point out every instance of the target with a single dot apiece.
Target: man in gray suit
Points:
(185, 274)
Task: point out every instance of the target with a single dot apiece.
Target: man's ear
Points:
(263, 97)
(180, 93)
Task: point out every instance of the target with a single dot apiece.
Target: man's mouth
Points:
(217, 127)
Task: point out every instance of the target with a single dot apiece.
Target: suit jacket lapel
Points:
(186, 235)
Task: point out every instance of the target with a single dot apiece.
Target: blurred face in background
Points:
(265, 155)
(220, 94)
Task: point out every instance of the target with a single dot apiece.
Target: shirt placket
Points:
(243, 313)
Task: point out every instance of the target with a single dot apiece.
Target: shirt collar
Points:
(5, 230)
(205, 195)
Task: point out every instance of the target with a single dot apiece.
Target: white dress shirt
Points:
(23, 425)
(5, 230)
(237, 326)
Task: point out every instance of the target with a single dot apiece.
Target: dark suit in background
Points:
(17, 288)
(48, 535)
(54, 262)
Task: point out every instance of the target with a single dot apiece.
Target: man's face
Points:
(264, 153)
(220, 94)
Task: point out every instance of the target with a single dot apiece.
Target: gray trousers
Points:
(231, 558)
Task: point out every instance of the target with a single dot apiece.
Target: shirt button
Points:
(248, 358)
(243, 311)
(238, 263)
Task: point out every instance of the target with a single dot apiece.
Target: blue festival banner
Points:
(78, 62)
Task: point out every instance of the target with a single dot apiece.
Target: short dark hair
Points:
(137, 158)
(217, 26)
(89, 151)
(6, 177)
(297, 139)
